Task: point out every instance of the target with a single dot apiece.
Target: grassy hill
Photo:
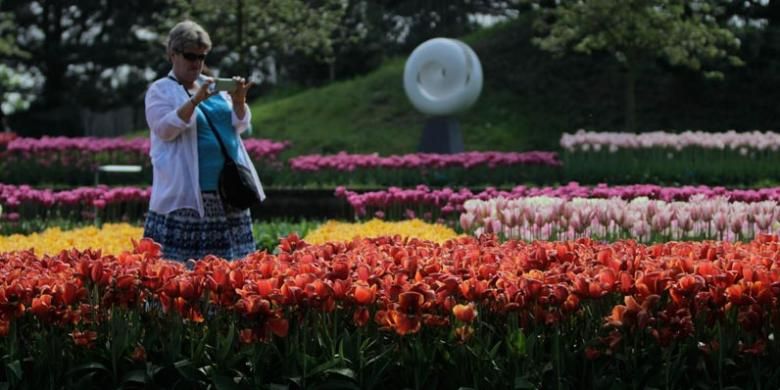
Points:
(528, 99)
(372, 114)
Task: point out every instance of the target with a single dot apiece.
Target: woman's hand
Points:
(239, 94)
(188, 108)
(203, 92)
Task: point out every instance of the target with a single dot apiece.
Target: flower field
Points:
(381, 312)
(454, 271)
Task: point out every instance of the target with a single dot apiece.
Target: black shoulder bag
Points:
(236, 185)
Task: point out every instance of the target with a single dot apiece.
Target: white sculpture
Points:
(442, 76)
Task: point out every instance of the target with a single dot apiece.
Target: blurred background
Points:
(80, 68)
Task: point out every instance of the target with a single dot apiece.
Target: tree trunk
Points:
(240, 38)
(54, 68)
(630, 113)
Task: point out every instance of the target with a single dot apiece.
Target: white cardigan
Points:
(174, 150)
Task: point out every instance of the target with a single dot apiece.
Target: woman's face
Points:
(188, 64)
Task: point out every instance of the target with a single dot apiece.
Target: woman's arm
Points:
(162, 115)
(165, 119)
(241, 114)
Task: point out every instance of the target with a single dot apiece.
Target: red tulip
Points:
(84, 339)
(246, 336)
(361, 316)
(279, 326)
(410, 302)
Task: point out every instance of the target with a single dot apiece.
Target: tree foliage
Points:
(247, 34)
(685, 33)
(91, 52)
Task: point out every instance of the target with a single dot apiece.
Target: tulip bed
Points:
(110, 239)
(610, 219)
(398, 313)
(24, 203)
(688, 157)
(547, 211)
(73, 161)
(590, 157)
(468, 168)
(335, 231)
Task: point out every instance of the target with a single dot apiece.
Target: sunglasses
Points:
(192, 57)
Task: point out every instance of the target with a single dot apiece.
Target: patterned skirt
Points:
(223, 231)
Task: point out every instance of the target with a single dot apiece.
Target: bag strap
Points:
(210, 123)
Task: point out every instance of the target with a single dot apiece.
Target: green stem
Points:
(557, 358)
(720, 356)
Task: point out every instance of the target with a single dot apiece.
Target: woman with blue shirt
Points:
(186, 215)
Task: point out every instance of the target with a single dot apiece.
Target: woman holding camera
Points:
(183, 110)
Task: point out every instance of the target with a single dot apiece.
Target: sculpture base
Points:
(441, 135)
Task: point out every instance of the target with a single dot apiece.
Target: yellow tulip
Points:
(112, 239)
(415, 228)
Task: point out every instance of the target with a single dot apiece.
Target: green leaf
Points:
(494, 350)
(322, 368)
(378, 357)
(345, 372)
(135, 376)
(186, 369)
(85, 381)
(16, 368)
(222, 382)
(94, 366)
(337, 384)
(522, 383)
(225, 343)
(517, 342)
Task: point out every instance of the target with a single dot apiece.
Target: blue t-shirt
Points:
(210, 158)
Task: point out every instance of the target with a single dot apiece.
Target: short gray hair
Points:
(187, 35)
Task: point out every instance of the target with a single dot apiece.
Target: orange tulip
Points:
(264, 287)
(365, 295)
(41, 305)
(465, 313)
(148, 247)
(464, 333)
(404, 324)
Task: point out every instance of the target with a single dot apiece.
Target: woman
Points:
(186, 215)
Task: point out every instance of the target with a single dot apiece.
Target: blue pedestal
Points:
(441, 135)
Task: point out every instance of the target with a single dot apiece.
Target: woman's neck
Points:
(189, 84)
